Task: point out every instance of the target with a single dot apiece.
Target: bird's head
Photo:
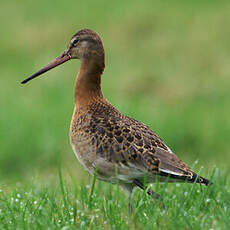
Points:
(84, 45)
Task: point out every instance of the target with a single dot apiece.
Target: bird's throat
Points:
(88, 83)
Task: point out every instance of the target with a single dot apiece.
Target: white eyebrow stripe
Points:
(72, 40)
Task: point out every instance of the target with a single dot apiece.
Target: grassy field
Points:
(36, 206)
(167, 64)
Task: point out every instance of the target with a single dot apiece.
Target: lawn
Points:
(83, 206)
(167, 65)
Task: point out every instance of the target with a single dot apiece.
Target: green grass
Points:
(167, 64)
(75, 205)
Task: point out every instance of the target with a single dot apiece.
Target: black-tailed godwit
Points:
(119, 147)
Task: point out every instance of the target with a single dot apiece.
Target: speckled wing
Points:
(154, 150)
(131, 145)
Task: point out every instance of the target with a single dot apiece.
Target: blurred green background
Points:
(167, 64)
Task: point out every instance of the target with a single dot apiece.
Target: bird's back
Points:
(122, 147)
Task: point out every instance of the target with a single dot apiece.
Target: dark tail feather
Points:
(194, 179)
(199, 179)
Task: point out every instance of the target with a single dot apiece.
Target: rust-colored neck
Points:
(88, 83)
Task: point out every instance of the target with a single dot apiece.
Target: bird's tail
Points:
(199, 179)
(194, 178)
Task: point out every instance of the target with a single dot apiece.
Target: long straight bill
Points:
(58, 61)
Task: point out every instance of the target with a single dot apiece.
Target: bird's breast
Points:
(81, 142)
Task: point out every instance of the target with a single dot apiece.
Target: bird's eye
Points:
(75, 42)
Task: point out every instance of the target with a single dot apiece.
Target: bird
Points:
(105, 141)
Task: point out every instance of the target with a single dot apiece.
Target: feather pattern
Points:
(120, 143)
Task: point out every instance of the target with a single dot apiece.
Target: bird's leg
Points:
(154, 194)
(149, 191)
(130, 204)
(128, 188)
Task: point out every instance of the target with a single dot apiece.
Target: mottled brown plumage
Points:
(117, 146)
